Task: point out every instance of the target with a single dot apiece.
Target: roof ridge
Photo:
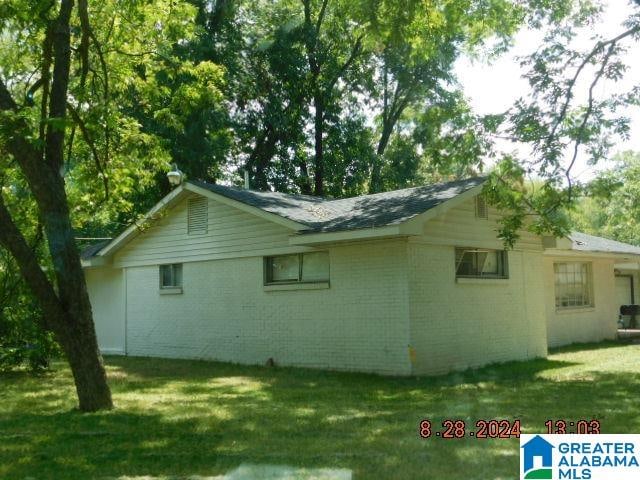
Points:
(244, 190)
(320, 199)
(426, 185)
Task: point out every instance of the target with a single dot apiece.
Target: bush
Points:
(23, 342)
(36, 355)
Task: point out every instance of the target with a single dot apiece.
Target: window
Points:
(197, 215)
(479, 263)
(482, 211)
(574, 285)
(300, 267)
(171, 276)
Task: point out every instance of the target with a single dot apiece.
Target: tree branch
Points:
(94, 151)
(45, 68)
(355, 51)
(586, 116)
(320, 19)
(569, 95)
(85, 37)
(58, 99)
(89, 34)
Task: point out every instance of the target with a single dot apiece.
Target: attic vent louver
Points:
(482, 211)
(197, 215)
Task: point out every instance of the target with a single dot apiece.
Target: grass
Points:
(178, 418)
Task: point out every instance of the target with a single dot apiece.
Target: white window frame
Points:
(173, 268)
(268, 272)
(503, 262)
(585, 282)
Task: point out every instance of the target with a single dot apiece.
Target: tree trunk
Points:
(68, 310)
(375, 184)
(390, 115)
(305, 181)
(78, 337)
(81, 348)
(318, 160)
(261, 156)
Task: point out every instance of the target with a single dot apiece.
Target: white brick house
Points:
(407, 282)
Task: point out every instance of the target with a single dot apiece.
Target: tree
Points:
(314, 66)
(67, 311)
(65, 75)
(414, 85)
(610, 205)
(561, 120)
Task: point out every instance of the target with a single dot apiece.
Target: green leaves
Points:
(611, 204)
(568, 118)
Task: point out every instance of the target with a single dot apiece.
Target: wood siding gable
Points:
(229, 232)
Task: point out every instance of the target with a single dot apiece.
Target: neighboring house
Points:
(407, 282)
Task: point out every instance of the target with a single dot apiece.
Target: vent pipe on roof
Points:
(247, 185)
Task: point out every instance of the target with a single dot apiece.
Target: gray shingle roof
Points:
(326, 215)
(90, 251)
(590, 243)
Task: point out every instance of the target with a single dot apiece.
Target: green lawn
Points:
(184, 418)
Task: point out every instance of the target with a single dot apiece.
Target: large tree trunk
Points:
(318, 159)
(77, 331)
(68, 310)
(73, 327)
(81, 348)
(375, 184)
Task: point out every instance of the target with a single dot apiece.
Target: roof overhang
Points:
(94, 262)
(622, 257)
(347, 235)
(409, 227)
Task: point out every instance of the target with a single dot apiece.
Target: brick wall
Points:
(358, 323)
(456, 325)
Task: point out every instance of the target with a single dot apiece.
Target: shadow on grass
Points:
(579, 347)
(181, 418)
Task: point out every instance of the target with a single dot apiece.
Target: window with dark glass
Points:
(171, 275)
(300, 267)
(481, 263)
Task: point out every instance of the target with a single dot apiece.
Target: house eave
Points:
(347, 235)
(95, 262)
(554, 252)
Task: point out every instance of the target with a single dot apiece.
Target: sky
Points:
(492, 88)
